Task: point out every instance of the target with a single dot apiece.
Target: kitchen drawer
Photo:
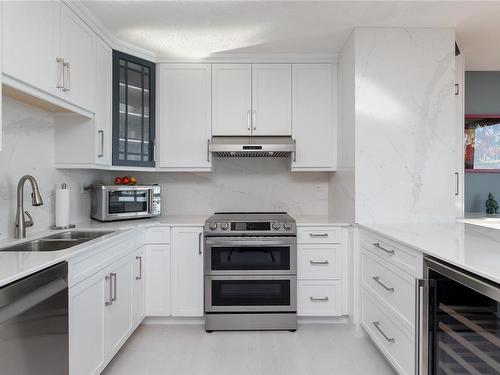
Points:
(101, 255)
(158, 235)
(319, 298)
(319, 261)
(402, 257)
(319, 235)
(395, 339)
(389, 284)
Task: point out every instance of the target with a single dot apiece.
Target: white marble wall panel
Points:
(404, 115)
(28, 148)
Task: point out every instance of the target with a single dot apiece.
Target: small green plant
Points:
(491, 205)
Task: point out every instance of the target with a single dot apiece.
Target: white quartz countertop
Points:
(470, 247)
(16, 265)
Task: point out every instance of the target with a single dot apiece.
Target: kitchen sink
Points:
(59, 241)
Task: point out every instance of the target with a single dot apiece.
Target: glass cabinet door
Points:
(133, 110)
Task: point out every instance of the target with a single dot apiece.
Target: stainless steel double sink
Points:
(59, 241)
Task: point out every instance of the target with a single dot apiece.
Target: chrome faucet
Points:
(36, 200)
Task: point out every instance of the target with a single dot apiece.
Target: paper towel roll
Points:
(62, 206)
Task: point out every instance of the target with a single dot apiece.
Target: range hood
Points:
(256, 147)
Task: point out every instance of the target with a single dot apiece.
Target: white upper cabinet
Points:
(184, 121)
(103, 94)
(231, 99)
(313, 116)
(271, 99)
(29, 47)
(78, 52)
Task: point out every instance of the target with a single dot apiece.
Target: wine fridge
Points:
(458, 322)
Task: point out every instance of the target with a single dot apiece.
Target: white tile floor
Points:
(315, 349)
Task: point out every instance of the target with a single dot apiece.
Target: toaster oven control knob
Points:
(212, 226)
(224, 226)
(287, 226)
(276, 226)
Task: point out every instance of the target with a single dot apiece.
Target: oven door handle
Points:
(248, 243)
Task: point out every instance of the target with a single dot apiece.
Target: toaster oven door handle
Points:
(150, 201)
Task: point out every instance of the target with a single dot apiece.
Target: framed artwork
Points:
(482, 143)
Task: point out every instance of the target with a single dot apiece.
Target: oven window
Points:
(250, 258)
(250, 292)
(464, 329)
(128, 201)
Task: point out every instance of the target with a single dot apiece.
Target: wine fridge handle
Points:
(420, 329)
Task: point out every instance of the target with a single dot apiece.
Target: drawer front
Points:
(319, 298)
(101, 256)
(319, 235)
(395, 340)
(402, 257)
(319, 261)
(158, 235)
(394, 287)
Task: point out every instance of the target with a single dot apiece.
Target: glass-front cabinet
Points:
(133, 111)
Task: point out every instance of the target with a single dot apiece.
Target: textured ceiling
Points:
(197, 29)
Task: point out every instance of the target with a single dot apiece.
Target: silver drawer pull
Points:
(377, 280)
(140, 268)
(318, 235)
(377, 325)
(113, 276)
(318, 262)
(110, 301)
(318, 299)
(377, 245)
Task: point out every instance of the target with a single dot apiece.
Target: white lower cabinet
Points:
(187, 271)
(321, 271)
(158, 284)
(103, 311)
(86, 325)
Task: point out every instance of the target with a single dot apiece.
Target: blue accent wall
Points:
(482, 96)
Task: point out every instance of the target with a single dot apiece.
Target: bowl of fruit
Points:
(125, 180)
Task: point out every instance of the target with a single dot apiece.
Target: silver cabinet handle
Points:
(113, 277)
(377, 325)
(100, 154)
(199, 242)
(295, 152)
(66, 73)
(109, 302)
(318, 261)
(377, 280)
(208, 150)
(318, 235)
(249, 121)
(254, 119)
(319, 299)
(457, 188)
(140, 268)
(377, 245)
(60, 72)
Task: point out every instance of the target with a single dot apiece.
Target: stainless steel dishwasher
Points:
(34, 324)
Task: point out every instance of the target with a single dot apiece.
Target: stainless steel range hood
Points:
(257, 147)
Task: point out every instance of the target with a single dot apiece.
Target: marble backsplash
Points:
(28, 148)
(234, 184)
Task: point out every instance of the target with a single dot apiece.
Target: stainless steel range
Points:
(250, 271)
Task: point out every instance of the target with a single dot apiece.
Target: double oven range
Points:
(250, 272)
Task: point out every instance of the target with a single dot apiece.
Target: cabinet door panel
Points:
(271, 99)
(86, 325)
(187, 271)
(312, 116)
(185, 115)
(29, 48)
(103, 93)
(78, 50)
(118, 315)
(158, 278)
(139, 287)
(231, 99)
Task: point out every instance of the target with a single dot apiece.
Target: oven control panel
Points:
(250, 228)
